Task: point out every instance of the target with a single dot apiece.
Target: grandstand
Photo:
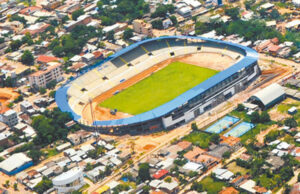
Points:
(74, 96)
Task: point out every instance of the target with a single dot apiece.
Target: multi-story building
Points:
(48, 73)
(10, 118)
(142, 27)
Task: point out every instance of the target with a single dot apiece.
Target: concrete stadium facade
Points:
(188, 105)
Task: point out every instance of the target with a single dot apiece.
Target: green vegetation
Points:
(158, 88)
(50, 126)
(233, 167)
(16, 17)
(124, 11)
(200, 139)
(128, 33)
(144, 173)
(77, 13)
(43, 186)
(157, 24)
(208, 184)
(251, 30)
(250, 135)
(273, 135)
(27, 58)
(51, 152)
(71, 44)
(162, 10)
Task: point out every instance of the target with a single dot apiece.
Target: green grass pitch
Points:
(159, 88)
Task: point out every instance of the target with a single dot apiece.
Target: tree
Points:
(254, 117)
(16, 186)
(146, 189)
(35, 155)
(174, 20)
(27, 39)
(157, 24)
(233, 13)
(227, 154)
(248, 4)
(263, 12)
(128, 33)
(194, 127)
(162, 10)
(168, 179)
(27, 58)
(264, 117)
(143, 172)
(290, 122)
(240, 107)
(52, 94)
(111, 36)
(275, 14)
(42, 90)
(197, 186)
(77, 13)
(43, 186)
(215, 138)
(201, 28)
(51, 84)
(15, 45)
(16, 17)
(58, 51)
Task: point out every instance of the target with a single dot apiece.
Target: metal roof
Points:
(270, 94)
(250, 57)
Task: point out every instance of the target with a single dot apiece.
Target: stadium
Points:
(157, 84)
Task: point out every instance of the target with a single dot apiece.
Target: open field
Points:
(214, 61)
(158, 88)
(235, 168)
(212, 186)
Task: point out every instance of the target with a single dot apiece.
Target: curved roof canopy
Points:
(269, 94)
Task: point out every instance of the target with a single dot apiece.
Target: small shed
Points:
(292, 110)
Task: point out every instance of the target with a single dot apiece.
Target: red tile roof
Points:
(27, 10)
(47, 59)
(193, 154)
(184, 144)
(274, 48)
(230, 140)
(229, 190)
(160, 173)
(97, 54)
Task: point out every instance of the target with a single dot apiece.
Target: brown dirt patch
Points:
(149, 147)
(104, 114)
(7, 95)
(209, 60)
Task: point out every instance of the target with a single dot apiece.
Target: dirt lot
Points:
(6, 95)
(208, 60)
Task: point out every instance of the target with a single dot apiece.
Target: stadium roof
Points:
(250, 57)
(269, 94)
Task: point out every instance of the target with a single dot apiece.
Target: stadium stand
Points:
(75, 95)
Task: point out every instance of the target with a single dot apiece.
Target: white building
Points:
(10, 118)
(69, 181)
(15, 163)
(296, 3)
(42, 77)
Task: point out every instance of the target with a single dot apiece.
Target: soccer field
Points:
(159, 88)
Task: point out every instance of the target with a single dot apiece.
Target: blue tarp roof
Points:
(250, 57)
